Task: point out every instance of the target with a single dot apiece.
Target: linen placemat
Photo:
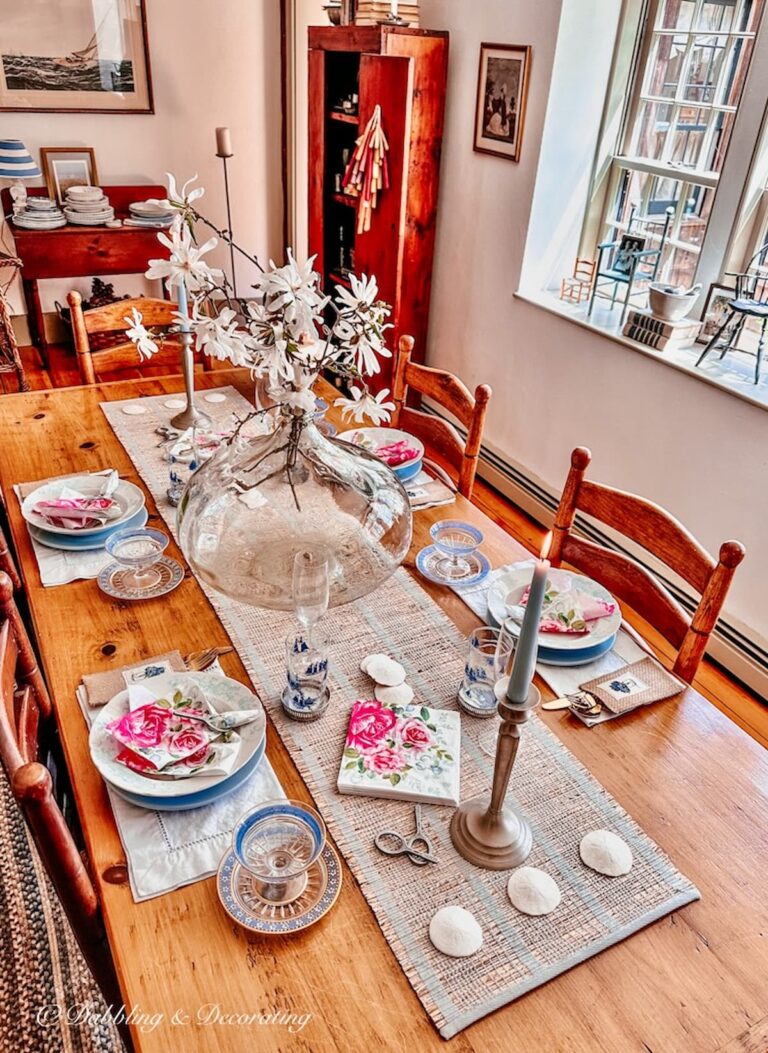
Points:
(57, 566)
(561, 800)
(166, 850)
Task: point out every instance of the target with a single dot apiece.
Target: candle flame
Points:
(546, 545)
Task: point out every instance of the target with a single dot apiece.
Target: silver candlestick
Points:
(489, 834)
(190, 416)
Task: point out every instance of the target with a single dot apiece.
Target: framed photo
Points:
(628, 246)
(66, 166)
(715, 311)
(82, 55)
(502, 91)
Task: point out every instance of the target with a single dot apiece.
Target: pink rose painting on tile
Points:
(409, 752)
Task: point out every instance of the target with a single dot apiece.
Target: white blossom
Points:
(180, 201)
(186, 262)
(220, 337)
(140, 335)
(363, 404)
(363, 294)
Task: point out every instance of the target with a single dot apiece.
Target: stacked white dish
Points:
(167, 794)
(88, 206)
(40, 213)
(130, 511)
(149, 214)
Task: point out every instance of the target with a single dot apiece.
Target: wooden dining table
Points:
(692, 982)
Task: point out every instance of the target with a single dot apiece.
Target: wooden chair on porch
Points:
(659, 533)
(443, 444)
(101, 327)
(25, 708)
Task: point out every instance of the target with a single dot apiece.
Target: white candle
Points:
(223, 142)
(394, 8)
(524, 664)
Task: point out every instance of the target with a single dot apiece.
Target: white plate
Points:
(128, 497)
(372, 439)
(224, 694)
(510, 586)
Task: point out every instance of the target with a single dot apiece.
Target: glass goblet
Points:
(311, 586)
(138, 549)
(456, 542)
(276, 844)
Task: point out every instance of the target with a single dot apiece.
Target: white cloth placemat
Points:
(166, 850)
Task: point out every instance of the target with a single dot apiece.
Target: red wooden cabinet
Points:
(404, 71)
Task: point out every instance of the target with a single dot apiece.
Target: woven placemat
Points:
(559, 797)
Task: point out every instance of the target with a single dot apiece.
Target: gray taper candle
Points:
(524, 664)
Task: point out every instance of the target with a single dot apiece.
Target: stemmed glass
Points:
(311, 587)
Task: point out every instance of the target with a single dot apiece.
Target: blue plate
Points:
(72, 543)
(430, 555)
(408, 471)
(196, 800)
(577, 656)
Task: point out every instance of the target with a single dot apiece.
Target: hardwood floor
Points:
(742, 706)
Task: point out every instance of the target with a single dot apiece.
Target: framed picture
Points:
(66, 166)
(715, 311)
(625, 253)
(502, 91)
(82, 55)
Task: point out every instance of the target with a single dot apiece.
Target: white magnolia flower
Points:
(186, 263)
(362, 405)
(292, 290)
(181, 201)
(303, 400)
(273, 363)
(140, 335)
(363, 294)
(367, 351)
(220, 337)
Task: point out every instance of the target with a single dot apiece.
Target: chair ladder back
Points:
(27, 668)
(446, 446)
(10, 752)
(7, 563)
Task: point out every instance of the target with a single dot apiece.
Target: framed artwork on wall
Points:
(715, 311)
(66, 166)
(502, 91)
(79, 56)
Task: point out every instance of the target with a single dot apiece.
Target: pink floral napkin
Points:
(75, 511)
(570, 610)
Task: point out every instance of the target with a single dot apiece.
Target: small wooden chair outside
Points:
(657, 532)
(122, 355)
(22, 714)
(443, 444)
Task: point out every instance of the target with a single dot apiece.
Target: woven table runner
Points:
(559, 797)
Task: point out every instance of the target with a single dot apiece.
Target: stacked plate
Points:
(374, 439)
(40, 213)
(130, 513)
(166, 794)
(88, 206)
(149, 214)
(556, 648)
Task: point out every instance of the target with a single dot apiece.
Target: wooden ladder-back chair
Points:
(22, 714)
(7, 563)
(442, 441)
(659, 533)
(122, 355)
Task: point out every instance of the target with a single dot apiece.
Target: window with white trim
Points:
(691, 63)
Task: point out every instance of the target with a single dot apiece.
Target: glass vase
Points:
(262, 498)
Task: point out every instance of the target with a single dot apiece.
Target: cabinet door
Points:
(386, 80)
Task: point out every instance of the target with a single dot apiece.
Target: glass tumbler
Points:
(488, 659)
(306, 694)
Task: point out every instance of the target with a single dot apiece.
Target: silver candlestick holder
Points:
(190, 416)
(487, 833)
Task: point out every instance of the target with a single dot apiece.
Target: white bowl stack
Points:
(149, 214)
(40, 213)
(87, 206)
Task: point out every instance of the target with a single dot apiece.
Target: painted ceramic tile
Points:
(405, 752)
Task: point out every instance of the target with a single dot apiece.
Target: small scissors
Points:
(417, 847)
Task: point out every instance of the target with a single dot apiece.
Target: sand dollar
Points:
(384, 670)
(133, 410)
(400, 695)
(606, 852)
(533, 891)
(454, 931)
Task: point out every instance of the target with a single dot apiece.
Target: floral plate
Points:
(223, 693)
(128, 497)
(242, 903)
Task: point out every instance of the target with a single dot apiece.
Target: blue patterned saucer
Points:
(236, 889)
(431, 563)
(114, 580)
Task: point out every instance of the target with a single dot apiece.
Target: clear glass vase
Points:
(262, 498)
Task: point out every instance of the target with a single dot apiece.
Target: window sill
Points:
(728, 376)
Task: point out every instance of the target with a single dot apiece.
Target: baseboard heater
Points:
(729, 646)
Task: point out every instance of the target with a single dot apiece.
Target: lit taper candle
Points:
(524, 664)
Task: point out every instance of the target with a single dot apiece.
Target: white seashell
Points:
(533, 891)
(215, 396)
(384, 670)
(455, 931)
(174, 403)
(605, 852)
(367, 659)
(399, 695)
(132, 410)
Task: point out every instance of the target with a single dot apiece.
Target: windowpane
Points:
(676, 14)
(653, 125)
(720, 16)
(688, 136)
(666, 66)
(705, 68)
